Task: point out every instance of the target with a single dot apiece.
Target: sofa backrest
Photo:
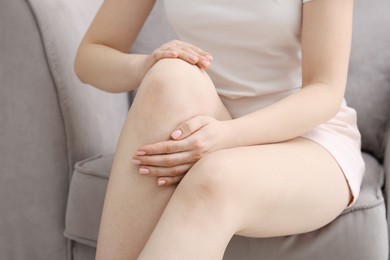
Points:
(155, 32)
(368, 89)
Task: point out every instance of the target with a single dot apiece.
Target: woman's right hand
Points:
(179, 50)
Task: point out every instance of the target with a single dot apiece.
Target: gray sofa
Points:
(57, 137)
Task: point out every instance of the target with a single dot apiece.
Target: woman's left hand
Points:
(192, 140)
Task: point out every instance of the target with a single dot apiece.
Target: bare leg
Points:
(169, 95)
(260, 191)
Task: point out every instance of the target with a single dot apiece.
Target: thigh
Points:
(134, 203)
(278, 189)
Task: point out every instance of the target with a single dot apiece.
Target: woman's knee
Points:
(177, 78)
(176, 87)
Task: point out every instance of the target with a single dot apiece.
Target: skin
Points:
(200, 172)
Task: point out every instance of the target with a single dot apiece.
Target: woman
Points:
(252, 137)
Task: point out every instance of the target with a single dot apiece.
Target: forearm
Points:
(109, 69)
(289, 117)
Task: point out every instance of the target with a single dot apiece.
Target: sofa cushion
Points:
(89, 184)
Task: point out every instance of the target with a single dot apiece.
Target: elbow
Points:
(334, 109)
(334, 103)
(331, 98)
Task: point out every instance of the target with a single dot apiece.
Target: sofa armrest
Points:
(33, 151)
(48, 121)
(92, 118)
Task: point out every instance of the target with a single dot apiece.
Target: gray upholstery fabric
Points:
(387, 178)
(100, 114)
(33, 166)
(42, 106)
(86, 198)
(354, 229)
(155, 32)
(368, 88)
(83, 252)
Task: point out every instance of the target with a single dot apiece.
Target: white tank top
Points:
(255, 44)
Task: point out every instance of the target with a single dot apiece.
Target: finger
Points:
(191, 57)
(184, 45)
(165, 160)
(165, 147)
(201, 52)
(164, 54)
(181, 44)
(167, 181)
(202, 61)
(164, 171)
(197, 59)
(189, 53)
(204, 64)
(184, 51)
(189, 127)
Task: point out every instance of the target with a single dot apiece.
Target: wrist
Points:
(137, 65)
(233, 134)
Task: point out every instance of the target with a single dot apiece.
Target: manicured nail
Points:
(161, 182)
(205, 63)
(140, 153)
(136, 162)
(209, 57)
(176, 134)
(143, 171)
(193, 58)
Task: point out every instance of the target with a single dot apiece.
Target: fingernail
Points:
(205, 63)
(135, 161)
(209, 57)
(143, 171)
(176, 134)
(140, 153)
(161, 182)
(193, 58)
